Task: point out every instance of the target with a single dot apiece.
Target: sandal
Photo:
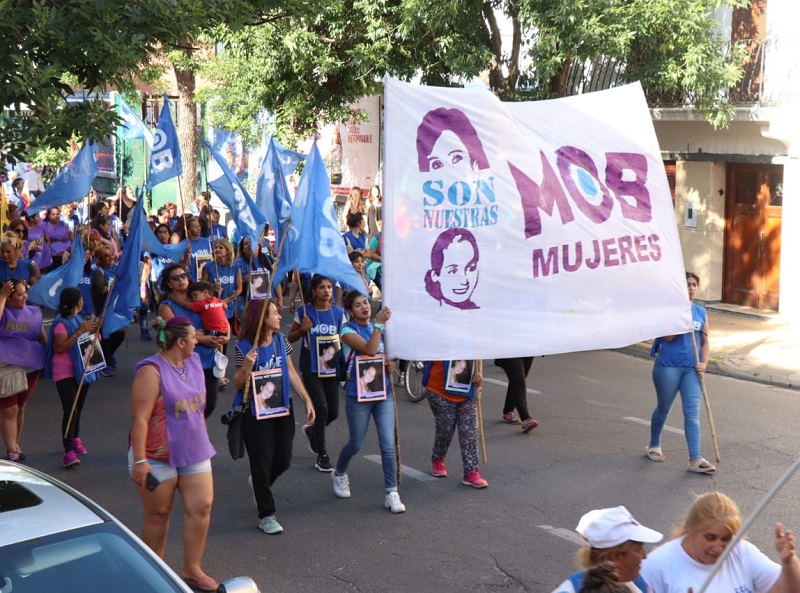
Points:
(701, 466)
(654, 453)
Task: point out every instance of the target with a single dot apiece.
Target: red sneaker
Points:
(529, 424)
(438, 468)
(475, 480)
(511, 418)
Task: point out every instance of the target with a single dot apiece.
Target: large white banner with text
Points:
(518, 229)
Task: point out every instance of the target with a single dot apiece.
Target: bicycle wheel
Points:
(414, 389)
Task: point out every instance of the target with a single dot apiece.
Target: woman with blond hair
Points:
(710, 525)
(228, 279)
(13, 265)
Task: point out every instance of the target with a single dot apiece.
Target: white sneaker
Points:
(393, 503)
(341, 485)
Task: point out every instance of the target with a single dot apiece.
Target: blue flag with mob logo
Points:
(47, 289)
(248, 218)
(313, 243)
(165, 158)
(72, 183)
(272, 193)
(124, 296)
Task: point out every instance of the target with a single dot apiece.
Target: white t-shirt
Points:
(566, 587)
(669, 569)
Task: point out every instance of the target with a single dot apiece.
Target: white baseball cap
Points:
(606, 528)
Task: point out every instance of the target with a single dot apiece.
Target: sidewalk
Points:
(759, 348)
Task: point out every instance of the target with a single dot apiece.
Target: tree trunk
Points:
(187, 134)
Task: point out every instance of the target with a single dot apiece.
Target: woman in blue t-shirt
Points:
(678, 368)
(362, 337)
(319, 323)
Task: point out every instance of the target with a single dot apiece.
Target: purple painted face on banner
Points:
(454, 274)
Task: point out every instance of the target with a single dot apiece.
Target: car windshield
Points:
(100, 558)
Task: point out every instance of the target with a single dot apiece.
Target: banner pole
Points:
(89, 353)
(480, 416)
(706, 402)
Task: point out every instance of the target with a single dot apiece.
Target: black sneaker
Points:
(308, 430)
(323, 463)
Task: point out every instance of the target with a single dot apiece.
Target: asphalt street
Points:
(516, 535)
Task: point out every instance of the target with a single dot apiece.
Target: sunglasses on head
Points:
(176, 277)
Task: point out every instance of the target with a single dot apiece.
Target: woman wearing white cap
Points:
(612, 535)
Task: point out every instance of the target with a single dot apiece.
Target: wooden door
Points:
(753, 235)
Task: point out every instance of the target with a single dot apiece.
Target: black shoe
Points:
(323, 463)
(308, 430)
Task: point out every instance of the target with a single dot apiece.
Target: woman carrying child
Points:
(174, 283)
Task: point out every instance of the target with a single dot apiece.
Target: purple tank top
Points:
(19, 337)
(185, 401)
(58, 235)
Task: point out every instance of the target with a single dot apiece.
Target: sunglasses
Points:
(177, 277)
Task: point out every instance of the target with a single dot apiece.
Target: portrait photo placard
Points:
(458, 376)
(327, 355)
(259, 283)
(201, 260)
(270, 401)
(370, 378)
(91, 352)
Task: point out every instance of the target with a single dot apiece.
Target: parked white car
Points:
(54, 539)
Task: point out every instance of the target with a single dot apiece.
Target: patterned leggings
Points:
(448, 415)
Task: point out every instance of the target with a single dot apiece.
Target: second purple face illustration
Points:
(453, 275)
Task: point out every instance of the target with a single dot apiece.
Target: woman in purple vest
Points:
(169, 445)
(22, 342)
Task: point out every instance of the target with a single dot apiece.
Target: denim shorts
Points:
(162, 471)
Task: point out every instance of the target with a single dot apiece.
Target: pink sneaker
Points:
(438, 468)
(77, 446)
(475, 480)
(529, 424)
(71, 459)
(511, 418)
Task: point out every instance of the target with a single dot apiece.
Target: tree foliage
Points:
(56, 50)
(304, 63)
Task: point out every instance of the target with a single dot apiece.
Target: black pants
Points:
(269, 450)
(110, 345)
(211, 391)
(67, 389)
(324, 395)
(516, 370)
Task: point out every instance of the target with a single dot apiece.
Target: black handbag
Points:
(233, 420)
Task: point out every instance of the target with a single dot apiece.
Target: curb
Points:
(642, 350)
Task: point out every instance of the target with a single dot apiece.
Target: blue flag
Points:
(133, 127)
(165, 158)
(272, 193)
(248, 218)
(313, 242)
(71, 184)
(153, 246)
(47, 290)
(124, 296)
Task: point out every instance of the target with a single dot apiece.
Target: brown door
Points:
(753, 235)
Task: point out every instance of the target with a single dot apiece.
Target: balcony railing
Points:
(770, 75)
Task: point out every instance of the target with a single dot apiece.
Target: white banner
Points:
(523, 229)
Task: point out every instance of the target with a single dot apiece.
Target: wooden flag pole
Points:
(480, 415)
(706, 402)
(89, 353)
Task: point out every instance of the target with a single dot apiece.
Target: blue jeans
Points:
(358, 414)
(668, 381)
